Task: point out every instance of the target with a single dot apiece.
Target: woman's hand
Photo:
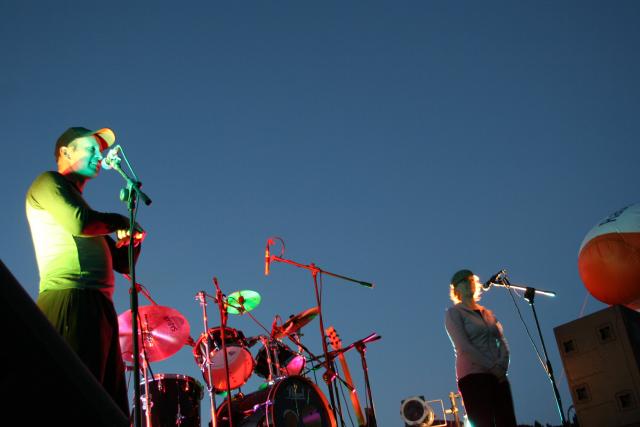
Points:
(499, 372)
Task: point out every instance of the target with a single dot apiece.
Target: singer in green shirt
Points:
(76, 256)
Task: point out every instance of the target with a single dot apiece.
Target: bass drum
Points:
(289, 402)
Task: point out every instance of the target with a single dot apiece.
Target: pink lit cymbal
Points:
(163, 331)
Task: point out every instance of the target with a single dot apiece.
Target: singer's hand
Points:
(499, 372)
(117, 221)
(124, 236)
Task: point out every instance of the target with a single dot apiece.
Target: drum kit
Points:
(224, 356)
(173, 399)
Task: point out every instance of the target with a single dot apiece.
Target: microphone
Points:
(496, 278)
(111, 160)
(267, 259)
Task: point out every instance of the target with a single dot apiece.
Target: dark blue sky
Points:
(391, 141)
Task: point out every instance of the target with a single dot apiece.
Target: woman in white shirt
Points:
(482, 355)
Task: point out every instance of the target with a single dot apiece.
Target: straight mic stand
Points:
(130, 194)
(330, 374)
(371, 412)
(361, 346)
(202, 298)
(529, 295)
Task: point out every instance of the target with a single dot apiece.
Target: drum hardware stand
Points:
(265, 343)
(201, 297)
(301, 347)
(147, 401)
(276, 359)
(130, 194)
(296, 338)
(529, 296)
(224, 316)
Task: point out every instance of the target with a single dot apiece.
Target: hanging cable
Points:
(533, 344)
(344, 399)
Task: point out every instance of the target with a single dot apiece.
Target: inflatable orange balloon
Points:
(609, 258)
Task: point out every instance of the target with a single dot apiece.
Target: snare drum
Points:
(290, 401)
(239, 358)
(290, 362)
(174, 400)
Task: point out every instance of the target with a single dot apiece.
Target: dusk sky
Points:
(393, 142)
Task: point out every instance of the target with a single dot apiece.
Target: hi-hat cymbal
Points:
(295, 323)
(240, 302)
(163, 331)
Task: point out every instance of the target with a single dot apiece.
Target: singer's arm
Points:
(120, 256)
(503, 359)
(58, 196)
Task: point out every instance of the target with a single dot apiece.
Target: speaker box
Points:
(601, 357)
(42, 381)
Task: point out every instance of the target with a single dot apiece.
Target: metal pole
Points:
(202, 297)
(529, 295)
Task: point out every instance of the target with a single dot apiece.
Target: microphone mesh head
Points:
(105, 164)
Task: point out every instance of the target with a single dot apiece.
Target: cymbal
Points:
(163, 331)
(240, 302)
(295, 323)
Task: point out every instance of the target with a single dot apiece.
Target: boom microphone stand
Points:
(529, 296)
(130, 194)
(329, 374)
